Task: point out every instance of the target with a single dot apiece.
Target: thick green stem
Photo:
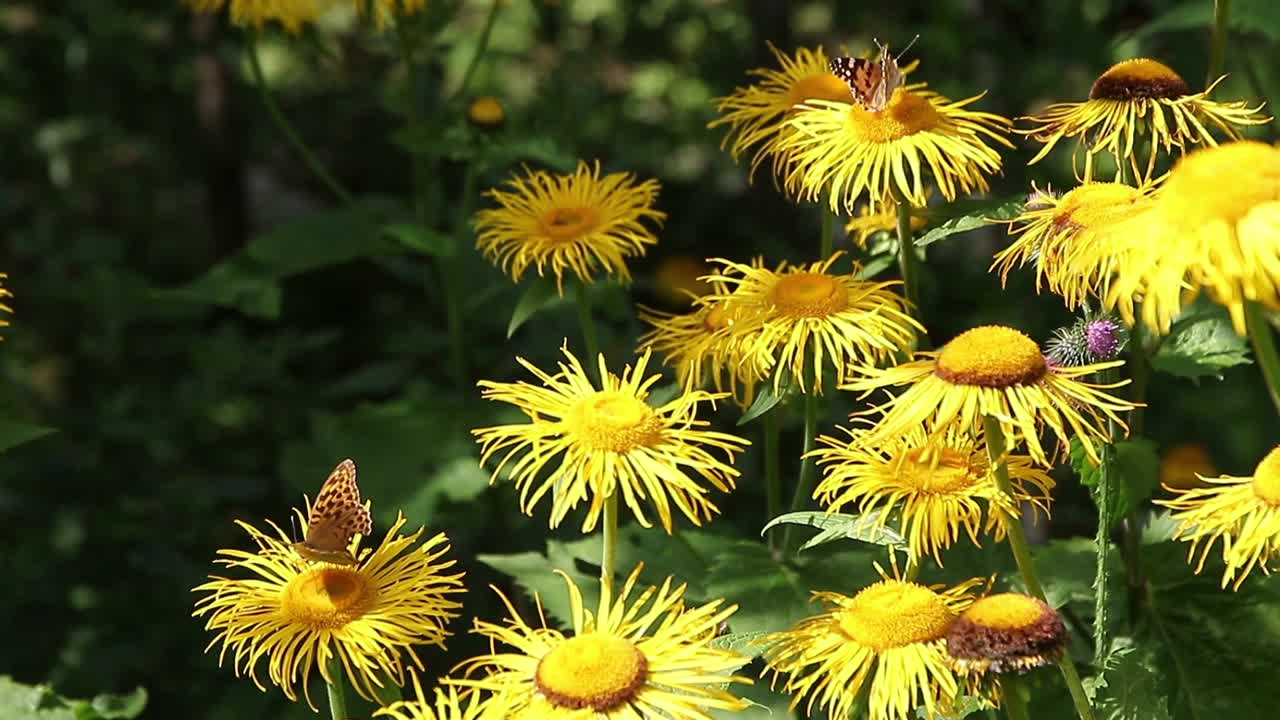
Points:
(588, 325)
(908, 264)
(772, 468)
(481, 46)
(609, 550)
(1015, 705)
(1108, 494)
(283, 125)
(336, 690)
(1017, 535)
(1264, 348)
(1138, 364)
(826, 242)
(808, 470)
(1218, 42)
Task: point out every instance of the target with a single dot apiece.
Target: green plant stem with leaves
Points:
(808, 468)
(1264, 348)
(609, 523)
(336, 690)
(1017, 536)
(772, 468)
(1108, 493)
(482, 45)
(908, 263)
(286, 128)
(1218, 41)
(1138, 364)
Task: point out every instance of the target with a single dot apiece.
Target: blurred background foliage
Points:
(209, 332)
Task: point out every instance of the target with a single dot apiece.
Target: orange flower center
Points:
(611, 421)
(1094, 204)
(1266, 479)
(938, 470)
(594, 671)
(566, 224)
(809, 295)
(820, 86)
(991, 356)
(486, 111)
(1139, 79)
(907, 114)
(717, 318)
(327, 598)
(893, 614)
(1006, 611)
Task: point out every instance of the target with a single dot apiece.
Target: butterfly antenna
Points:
(908, 47)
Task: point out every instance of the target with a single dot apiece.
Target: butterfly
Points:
(871, 81)
(335, 518)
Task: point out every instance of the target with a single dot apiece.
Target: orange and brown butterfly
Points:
(335, 518)
(872, 82)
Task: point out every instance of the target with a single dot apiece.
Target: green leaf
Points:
(1067, 568)
(418, 238)
(120, 707)
(437, 139)
(963, 707)
(742, 643)
(1201, 343)
(875, 266)
(537, 295)
(1261, 16)
(767, 399)
(538, 149)
(536, 574)
(969, 215)
(13, 434)
(1137, 468)
(39, 702)
(839, 526)
(1128, 688)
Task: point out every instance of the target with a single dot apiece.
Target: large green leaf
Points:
(1202, 343)
(539, 294)
(837, 526)
(1136, 464)
(13, 434)
(1261, 16)
(966, 215)
(1128, 688)
(39, 702)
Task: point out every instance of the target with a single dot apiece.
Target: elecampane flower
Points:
(842, 152)
(873, 218)
(889, 637)
(1066, 238)
(604, 441)
(5, 309)
(446, 704)
(583, 223)
(929, 488)
(633, 659)
(1214, 227)
(1004, 633)
(997, 372)
(1135, 100)
(808, 319)
(300, 614)
(1242, 512)
(756, 114)
(292, 14)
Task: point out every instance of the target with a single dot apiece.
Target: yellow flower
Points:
(1004, 633)
(929, 488)
(807, 319)
(1242, 512)
(889, 636)
(1066, 238)
(5, 309)
(1214, 226)
(702, 343)
(292, 14)
(486, 112)
(678, 280)
(997, 372)
(447, 705)
(580, 223)
(1135, 100)
(841, 151)
(301, 614)
(883, 217)
(649, 657)
(1182, 466)
(757, 114)
(609, 440)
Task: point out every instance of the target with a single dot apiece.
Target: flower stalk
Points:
(336, 690)
(908, 264)
(1218, 41)
(609, 550)
(772, 469)
(1264, 348)
(1015, 705)
(808, 467)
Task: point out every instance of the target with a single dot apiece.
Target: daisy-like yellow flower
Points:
(650, 657)
(446, 704)
(384, 11)
(883, 217)
(1182, 466)
(292, 14)
(1135, 99)
(807, 318)
(486, 112)
(757, 114)
(609, 441)
(703, 345)
(1003, 633)
(581, 223)
(995, 371)
(1214, 227)
(931, 488)
(1065, 238)
(302, 615)
(890, 636)
(842, 152)
(1242, 512)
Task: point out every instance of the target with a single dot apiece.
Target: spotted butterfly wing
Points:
(335, 518)
(872, 82)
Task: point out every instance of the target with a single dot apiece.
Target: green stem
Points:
(1138, 364)
(808, 470)
(908, 264)
(825, 243)
(282, 123)
(1015, 705)
(588, 325)
(1108, 496)
(609, 550)
(336, 690)
(1022, 554)
(1264, 348)
(1218, 42)
(481, 45)
(772, 469)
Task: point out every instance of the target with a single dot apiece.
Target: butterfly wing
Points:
(861, 75)
(336, 517)
(890, 79)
